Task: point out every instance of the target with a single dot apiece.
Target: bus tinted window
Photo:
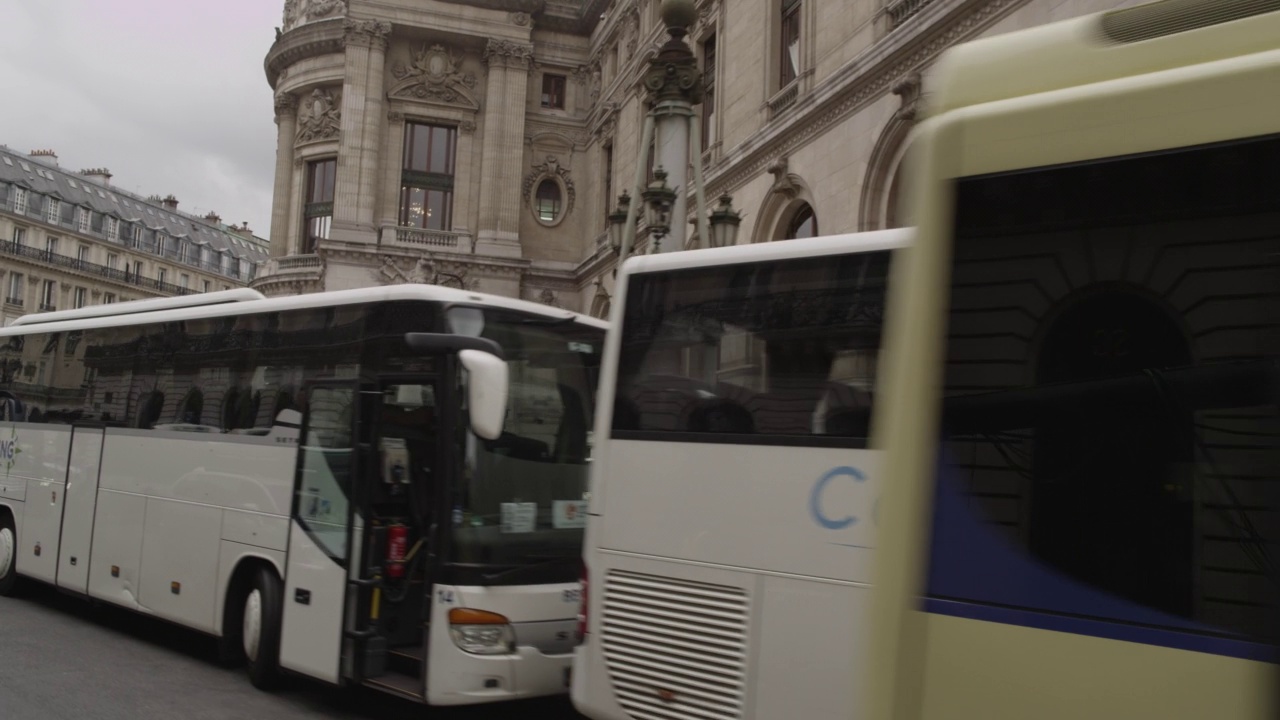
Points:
(1111, 404)
(776, 352)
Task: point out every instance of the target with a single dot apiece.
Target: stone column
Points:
(286, 124)
(394, 145)
(502, 151)
(359, 144)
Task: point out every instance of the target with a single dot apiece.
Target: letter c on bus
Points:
(815, 498)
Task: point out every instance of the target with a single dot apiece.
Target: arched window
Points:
(192, 408)
(804, 224)
(548, 200)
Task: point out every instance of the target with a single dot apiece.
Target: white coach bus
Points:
(732, 522)
(377, 486)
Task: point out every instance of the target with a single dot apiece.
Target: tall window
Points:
(47, 295)
(137, 269)
(803, 225)
(184, 281)
(709, 91)
(789, 60)
(162, 275)
(51, 211)
(20, 201)
(15, 289)
(205, 286)
(19, 236)
(108, 298)
(113, 228)
(78, 298)
(321, 178)
(51, 245)
(82, 253)
(113, 261)
(426, 192)
(83, 216)
(553, 91)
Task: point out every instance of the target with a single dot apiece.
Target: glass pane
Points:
(437, 210)
(771, 350)
(413, 208)
(326, 468)
(548, 200)
(420, 139)
(441, 149)
(1109, 420)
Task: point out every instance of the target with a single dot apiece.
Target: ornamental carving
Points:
(401, 271)
(908, 91)
(300, 12)
(286, 104)
(321, 117)
(504, 52)
(366, 32)
(435, 75)
(550, 169)
(784, 182)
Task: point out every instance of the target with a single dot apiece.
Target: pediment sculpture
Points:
(435, 75)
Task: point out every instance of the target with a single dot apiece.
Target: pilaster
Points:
(502, 149)
(286, 125)
(359, 145)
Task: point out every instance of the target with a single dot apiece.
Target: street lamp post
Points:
(675, 86)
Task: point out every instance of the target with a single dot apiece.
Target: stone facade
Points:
(71, 239)
(545, 104)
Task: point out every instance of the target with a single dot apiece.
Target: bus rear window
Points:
(766, 353)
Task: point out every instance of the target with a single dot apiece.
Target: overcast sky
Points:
(169, 96)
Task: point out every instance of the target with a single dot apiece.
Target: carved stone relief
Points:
(321, 116)
(435, 75)
(506, 53)
(399, 271)
(300, 12)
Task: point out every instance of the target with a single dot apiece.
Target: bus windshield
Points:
(520, 510)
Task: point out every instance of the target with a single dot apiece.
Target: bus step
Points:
(397, 684)
(409, 652)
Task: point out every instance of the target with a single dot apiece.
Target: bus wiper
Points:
(555, 560)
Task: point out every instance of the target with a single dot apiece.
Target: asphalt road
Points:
(62, 658)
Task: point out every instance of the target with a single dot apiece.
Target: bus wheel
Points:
(260, 633)
(8, 555)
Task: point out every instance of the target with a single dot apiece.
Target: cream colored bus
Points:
(1087, 318)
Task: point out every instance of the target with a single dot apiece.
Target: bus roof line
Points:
(142, 306)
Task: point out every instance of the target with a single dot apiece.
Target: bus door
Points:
(400, 485)
(81, 490)
(315, 636)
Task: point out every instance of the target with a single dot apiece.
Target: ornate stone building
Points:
(72, 239)
(484, 143)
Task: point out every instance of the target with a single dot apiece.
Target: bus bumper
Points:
(590, 689)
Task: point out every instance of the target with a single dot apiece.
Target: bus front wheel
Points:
(260, 633)
(8, 556)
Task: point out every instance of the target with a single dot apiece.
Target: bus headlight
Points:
(481, 633)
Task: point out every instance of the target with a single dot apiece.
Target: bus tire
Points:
(8, 555)
(260, 628)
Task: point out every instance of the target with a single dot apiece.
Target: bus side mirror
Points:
(486, 392)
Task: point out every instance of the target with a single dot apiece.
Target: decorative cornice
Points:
(307, 41)
(366, 33)
(800, 126)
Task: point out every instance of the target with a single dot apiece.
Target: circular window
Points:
(548, 201)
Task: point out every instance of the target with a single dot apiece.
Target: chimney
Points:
(214, 218)
(47, 157)
(101, 175)
(170, 202)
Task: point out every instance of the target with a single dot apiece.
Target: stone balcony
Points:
(409, 238)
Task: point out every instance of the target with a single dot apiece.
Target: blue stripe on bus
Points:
(1160, 637)
(973, 566)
